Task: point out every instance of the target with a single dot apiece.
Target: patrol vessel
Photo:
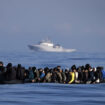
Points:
(48, 46)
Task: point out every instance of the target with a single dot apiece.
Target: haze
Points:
(78, 24)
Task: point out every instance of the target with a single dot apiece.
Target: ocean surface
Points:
(50, 93)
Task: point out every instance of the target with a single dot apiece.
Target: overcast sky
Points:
(78, 24)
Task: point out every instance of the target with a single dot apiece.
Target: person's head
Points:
(82, 67)
(9, 65)
(98, 69)
(40, 69)
(73, 67)
(19, 65)
(46, 69)
(34, 68)
(90, 69)
(59, 67)
(51, 70)
(79, 69)
(87, 66)
(55, 69)
(30, 68)
(1, 63)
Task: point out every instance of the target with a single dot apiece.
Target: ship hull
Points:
(49, 49)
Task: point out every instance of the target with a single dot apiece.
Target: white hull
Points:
(49, 49)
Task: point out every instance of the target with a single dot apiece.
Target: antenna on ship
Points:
(48, 39)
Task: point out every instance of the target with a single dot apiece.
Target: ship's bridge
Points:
(46, 43)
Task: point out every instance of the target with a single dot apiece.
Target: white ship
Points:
(48, 46)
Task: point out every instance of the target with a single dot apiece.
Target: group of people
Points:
(79, 75)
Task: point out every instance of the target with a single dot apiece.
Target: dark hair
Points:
(87, 66)
(58, 66)
(82, 67)
(19, 65)
(33, 68)
(9, 65)
(1, 62)
(99, 68)
(46, 68)
(73, 67)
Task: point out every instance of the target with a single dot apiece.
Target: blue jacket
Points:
(42, 75)
(103, 74)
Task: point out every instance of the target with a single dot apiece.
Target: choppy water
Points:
(48, 93)
(52, 94)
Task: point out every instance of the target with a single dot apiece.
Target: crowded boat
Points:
(85, 74)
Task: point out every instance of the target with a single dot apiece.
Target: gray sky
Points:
(76, 24)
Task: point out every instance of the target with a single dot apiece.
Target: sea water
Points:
(50, 93)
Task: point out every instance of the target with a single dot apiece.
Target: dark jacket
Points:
(20, 73)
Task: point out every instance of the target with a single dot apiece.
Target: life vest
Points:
(72, 77)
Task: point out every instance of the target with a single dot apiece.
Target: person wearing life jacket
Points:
(72, 74)
(74, 69)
